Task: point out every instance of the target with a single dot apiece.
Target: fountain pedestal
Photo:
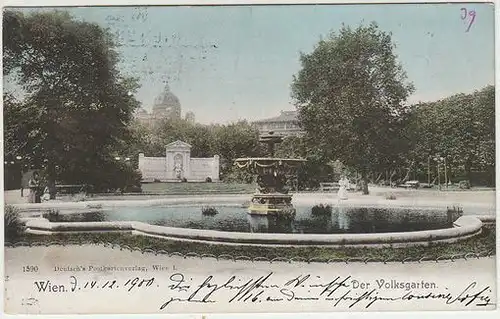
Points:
(264, 204)
(271, 196)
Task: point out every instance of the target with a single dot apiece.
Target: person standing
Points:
(343, 185)
(46, 194)
(33, 185)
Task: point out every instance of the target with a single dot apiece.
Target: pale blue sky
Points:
(237, 62)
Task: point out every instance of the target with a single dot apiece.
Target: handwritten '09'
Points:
(469, 16)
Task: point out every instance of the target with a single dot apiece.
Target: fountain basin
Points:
(464, 227)
(341, 228)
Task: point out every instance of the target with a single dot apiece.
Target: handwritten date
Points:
(76, 285)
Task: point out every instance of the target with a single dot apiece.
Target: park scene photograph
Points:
(257, 150)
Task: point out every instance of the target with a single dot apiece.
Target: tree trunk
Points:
(364, 183)
(468, 169)
(51, 180)
(408, 172)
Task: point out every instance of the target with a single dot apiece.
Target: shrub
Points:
(208, 179)
(321, 209)
(465, 184)
(453, 213)
(455, 210)
(184, 180)
(13, 226)
(132, 189)
(105, 175)
(52, 215)
(156, 180)
(208, 210)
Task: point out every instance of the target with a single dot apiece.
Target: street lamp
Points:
(19, 157)
(437, 159)
(429, 171)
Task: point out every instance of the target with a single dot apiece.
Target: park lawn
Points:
(197, 188)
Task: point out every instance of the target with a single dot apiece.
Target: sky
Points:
(226, 63)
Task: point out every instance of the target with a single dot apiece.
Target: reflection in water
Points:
(91, 216)
(236, 219)
(97, 216)
(280, 224)
(342, 218)
(258, 223)
(270, 224)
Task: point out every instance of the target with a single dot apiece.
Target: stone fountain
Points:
(271, 196)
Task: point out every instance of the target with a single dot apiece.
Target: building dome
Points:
(167, 105)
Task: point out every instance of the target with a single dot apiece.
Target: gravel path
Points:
(472, 202)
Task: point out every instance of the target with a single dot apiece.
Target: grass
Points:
(13, 227)
(197, 188)
(483, 242)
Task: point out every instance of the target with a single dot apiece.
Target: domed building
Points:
(167, 105)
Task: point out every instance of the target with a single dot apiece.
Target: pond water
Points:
(236, 219)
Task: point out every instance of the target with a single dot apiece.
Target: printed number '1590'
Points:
(30, 268)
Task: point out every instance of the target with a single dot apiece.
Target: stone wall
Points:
(201, 168)
(193, 169)
(153, 168)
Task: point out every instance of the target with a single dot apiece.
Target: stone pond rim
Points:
(463, 228)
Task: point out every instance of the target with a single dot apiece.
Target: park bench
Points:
(411, 184)
(324, 187)
(70, 189)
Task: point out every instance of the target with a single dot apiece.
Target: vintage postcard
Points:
(249, 158)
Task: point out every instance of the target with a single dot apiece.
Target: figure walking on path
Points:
(34, 184)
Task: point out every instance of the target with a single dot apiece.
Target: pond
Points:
(236, 219)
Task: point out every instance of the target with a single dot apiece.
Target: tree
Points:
(317, 167)
(195, 134)
(74, 107)
(232, 141)
(350, 94)
(460, 128)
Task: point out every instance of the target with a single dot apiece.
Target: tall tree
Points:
(350, 94)
(73, 105)
(317, 168)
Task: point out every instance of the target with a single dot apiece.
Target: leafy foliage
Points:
(72, 105)
(349, 80)
(315, 170)
(460, 128)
